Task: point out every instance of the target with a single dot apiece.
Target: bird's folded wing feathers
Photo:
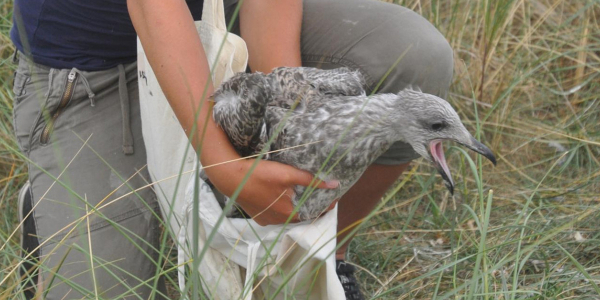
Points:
(295, 86)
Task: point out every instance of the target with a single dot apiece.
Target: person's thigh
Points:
(388, 43)
(98, 234)
(392, 46)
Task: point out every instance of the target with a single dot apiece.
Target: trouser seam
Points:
(319, 58)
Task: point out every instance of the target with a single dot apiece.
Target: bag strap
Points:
(213, 13)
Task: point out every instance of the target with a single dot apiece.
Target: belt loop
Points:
(124, 97)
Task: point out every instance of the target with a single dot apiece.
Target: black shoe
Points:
(345, 273)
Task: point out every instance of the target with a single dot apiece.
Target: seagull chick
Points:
(339, 129)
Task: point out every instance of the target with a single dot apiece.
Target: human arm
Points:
(166, 30)
(271, 29)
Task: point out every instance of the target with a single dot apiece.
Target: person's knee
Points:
(409, 51)
(429, 66)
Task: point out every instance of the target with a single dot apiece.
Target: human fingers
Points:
(304, 178)
(277, 211)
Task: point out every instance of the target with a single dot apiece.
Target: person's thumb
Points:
(304, 178)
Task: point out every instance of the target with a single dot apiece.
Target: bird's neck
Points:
(386, 115)
(376, 128)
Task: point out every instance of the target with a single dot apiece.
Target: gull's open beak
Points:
(481, 149)
(439, 159)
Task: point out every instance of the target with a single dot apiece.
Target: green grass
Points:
(12, 170)
(527, 81)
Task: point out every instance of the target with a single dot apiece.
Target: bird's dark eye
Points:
(438, 126)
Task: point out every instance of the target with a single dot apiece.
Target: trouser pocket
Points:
(33, 91)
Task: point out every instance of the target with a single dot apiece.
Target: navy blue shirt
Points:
(89, 35)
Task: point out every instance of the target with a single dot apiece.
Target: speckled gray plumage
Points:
(330, 108)
(241, 104)
(242, 100)
(291, 85)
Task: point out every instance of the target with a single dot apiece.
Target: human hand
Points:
(267, 194)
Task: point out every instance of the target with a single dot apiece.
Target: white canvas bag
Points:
(299, 256)
(238, 244)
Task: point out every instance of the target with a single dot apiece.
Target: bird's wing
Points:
(336, 82)
(240, 105)
(274, 117)
(289, 87)
(297, 86)
(279, 121)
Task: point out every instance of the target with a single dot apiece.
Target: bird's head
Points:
(430, 120)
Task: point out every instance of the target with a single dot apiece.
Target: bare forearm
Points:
(175, 52)
(271, 29)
